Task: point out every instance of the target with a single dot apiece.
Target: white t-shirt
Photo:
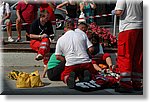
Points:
(7, 9)
(84, 36)
(132, 17)
(74, 47)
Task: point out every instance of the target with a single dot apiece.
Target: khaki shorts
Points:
(5, 21)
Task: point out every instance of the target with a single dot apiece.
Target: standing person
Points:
(87, 7)
(74, 46)
(50, 6)
(71, 9)
(26, 13)
(40, 31)
(130, 46)
(5, 14)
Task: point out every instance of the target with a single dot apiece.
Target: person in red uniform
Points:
(130, 44)
(26, 13)
(50, 7)
(40, 33)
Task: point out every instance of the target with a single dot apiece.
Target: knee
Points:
(106, 55)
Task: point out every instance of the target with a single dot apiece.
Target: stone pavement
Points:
(25, 62)
(18, 56)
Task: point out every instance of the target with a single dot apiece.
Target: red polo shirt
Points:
(28, 11)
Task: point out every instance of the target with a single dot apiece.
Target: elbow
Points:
(118, 12)
(30, 35)
(57, 57)
(58, 7)
(91, 50)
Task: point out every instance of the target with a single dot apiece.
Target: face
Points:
(1, 1)
(84, 28)
(46, 18)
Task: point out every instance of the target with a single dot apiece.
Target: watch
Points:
(40, 37)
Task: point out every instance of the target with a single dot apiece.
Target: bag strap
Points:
(24, 8)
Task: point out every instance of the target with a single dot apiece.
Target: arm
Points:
(81, 7)
(58, 51)
(118, 12)
(60, 57)
(18, 11)
(33, 34)
(38, 37)
(91, 50)
(120, 7)
(92, 4)
(96, 67)
(7, 12)
(61, 5)
(7, 16)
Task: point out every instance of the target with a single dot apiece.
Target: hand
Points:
(19, 19)
(66, 12)
(44, 36)
(113, 12)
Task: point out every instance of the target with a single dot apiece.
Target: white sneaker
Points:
(10, 39)
(39, 57)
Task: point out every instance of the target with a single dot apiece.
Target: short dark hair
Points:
(82, 23)
(95, 39)
(69, 24)
(43, 12)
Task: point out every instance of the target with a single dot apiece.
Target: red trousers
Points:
(130, 56)
(42, 47)
(76, 68)
(102, 59)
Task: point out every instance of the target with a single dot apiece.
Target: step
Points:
(25, 47)
(21, 47)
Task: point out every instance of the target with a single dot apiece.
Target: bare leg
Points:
(109, 62)
(9, 31)
(18, 28)
(44, 71)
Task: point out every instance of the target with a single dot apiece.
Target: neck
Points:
(26, 2)
(41, 22)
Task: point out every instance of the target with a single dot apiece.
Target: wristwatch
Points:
(40, 37)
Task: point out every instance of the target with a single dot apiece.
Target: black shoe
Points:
(87, 76)
(18, 40)
(27, 38)
(71, 80)
(39, 57)
(123, 90)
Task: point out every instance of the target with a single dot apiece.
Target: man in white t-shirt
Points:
(5, 18)
(74, 46)
(130, 44)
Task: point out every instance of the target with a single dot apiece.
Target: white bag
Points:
(82, 18)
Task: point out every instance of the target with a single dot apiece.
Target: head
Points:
(89, 33)
(83, 26)
(94, 39)
(1, 1)
(69, 26)
(44, 16)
